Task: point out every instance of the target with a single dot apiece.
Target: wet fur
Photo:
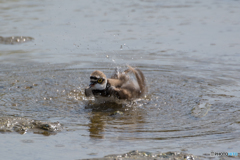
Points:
(122, 87)
(125, 88)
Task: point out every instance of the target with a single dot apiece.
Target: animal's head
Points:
(98, 81)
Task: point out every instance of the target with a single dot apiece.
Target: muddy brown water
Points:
(188, 51)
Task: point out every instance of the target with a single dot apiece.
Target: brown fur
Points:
(129, 91)
(122, 87)
(99, 73)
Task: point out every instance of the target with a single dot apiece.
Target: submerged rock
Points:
(141, 155)
(15, 39)
(23, 125)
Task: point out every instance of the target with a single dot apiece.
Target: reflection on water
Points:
(112, 115)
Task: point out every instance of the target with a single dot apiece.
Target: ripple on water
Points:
(176, 111)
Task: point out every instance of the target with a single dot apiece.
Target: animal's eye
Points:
(100, 80)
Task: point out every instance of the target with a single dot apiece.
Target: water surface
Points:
(188, 51)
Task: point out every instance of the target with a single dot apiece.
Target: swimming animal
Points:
(119, 87)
